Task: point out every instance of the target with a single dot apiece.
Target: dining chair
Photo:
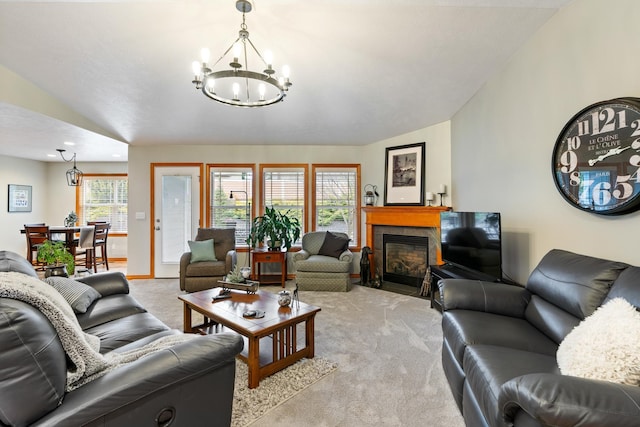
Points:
(36, 235)
(102, 232)
(84, 251)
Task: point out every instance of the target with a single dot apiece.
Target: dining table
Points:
(68, 232)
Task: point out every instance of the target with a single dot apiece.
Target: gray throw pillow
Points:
(78, 295)
(333, 245)
(202, 250)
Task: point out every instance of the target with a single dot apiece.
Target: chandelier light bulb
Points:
(237, 50)
(268, 57)
(236, 91)
(262, 89)
(211, 85)
(205, 54)
(195, 66)
(286, 71)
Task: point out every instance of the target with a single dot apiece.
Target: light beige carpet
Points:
(387, 348)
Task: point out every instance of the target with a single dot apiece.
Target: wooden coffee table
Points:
(279, 326)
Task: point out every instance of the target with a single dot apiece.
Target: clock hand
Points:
(609, 153)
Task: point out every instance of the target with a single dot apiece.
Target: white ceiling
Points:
(362, 70)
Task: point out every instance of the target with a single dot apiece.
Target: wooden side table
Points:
(262, 255)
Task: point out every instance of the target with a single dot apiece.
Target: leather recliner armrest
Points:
(490, 297)
(561, 400)
(107, 283)
(132, 388)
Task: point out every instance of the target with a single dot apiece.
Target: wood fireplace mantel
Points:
(403, 216)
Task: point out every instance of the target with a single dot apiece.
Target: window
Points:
(104, 198)
(225, 211)
(284, 189)
(335, 199)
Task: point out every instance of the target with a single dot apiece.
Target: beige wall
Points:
(503, 138)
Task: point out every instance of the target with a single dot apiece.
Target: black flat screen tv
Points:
(472, 241)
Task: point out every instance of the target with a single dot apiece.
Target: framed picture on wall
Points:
(404, 175)
(19, 198)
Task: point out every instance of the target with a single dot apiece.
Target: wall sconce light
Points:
(370, 195)
(74, 175)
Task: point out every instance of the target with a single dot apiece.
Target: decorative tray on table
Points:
(250, 286)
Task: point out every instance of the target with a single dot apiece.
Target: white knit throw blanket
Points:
(81, 348)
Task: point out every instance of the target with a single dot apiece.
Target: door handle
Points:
(157, 227)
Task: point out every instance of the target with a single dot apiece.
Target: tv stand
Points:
(450, 271)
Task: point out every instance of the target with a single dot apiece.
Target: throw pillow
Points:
(333, 245)
(202, 250)
(605, 345)
(78, 295)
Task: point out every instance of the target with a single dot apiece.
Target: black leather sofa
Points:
(188, 384)
(500, 344)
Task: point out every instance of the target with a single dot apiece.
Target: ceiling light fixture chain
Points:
(261, 88)
(74, 175)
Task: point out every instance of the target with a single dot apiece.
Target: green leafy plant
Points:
(275, 228)
(56, 254)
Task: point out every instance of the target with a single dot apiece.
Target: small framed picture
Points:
(19, 198)
(404, 175)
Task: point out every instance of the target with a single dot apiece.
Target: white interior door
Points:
(176, 216)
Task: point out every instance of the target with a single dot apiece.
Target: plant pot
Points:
(275, 245)
(56, 270)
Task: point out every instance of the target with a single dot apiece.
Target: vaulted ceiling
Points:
(105, 74)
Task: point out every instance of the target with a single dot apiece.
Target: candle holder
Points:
(429, 197)
(441, 198)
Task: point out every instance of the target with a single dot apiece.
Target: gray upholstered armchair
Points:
(324, 263)
(197, 276)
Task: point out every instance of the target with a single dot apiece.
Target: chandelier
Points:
(238, 85)
(74, 175)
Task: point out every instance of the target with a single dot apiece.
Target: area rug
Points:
(251, 404)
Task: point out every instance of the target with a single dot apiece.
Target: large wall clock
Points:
(596, 158)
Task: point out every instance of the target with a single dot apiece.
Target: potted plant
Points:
(71, 219)
(58, 260)
(274, 228)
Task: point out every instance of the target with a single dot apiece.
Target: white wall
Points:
(503, 138)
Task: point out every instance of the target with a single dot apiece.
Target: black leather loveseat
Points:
(500, 345)
(188, 384)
